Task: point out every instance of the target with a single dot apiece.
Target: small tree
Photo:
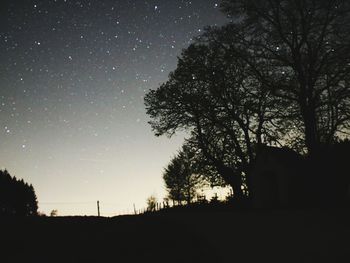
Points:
(151, 203)
(54, 212)
(179, 177)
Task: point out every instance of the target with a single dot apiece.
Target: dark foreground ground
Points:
(181, 236)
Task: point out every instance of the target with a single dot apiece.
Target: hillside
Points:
(221, 236)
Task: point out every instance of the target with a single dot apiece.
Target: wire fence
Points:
(107, 209)
(90, 206)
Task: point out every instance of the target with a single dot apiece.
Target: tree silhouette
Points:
(151, 203)
(277, 74)
(54, 212)
(180, 178)
(306, 45)
(16, 197)
(217, 98)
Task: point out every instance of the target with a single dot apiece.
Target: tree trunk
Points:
(189, 197)
(233, 179)
(312, 142)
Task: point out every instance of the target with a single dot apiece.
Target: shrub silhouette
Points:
(151, 203)
(17, 198)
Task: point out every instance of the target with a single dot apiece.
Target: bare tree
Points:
(306, 44)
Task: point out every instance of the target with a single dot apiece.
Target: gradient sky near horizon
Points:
(73, 75)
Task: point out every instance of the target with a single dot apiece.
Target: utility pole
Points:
(98, 208)
(135, 212)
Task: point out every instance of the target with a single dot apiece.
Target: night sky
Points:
(73, 75)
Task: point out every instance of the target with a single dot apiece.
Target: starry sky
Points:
(73, 75)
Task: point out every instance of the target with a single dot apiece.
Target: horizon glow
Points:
(73, 75)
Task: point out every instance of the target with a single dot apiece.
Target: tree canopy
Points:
(307, 44)
(214, 96)
(277, 74)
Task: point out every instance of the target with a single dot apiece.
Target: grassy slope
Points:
(221, 236)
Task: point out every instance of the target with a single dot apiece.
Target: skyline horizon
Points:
(73, 77)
